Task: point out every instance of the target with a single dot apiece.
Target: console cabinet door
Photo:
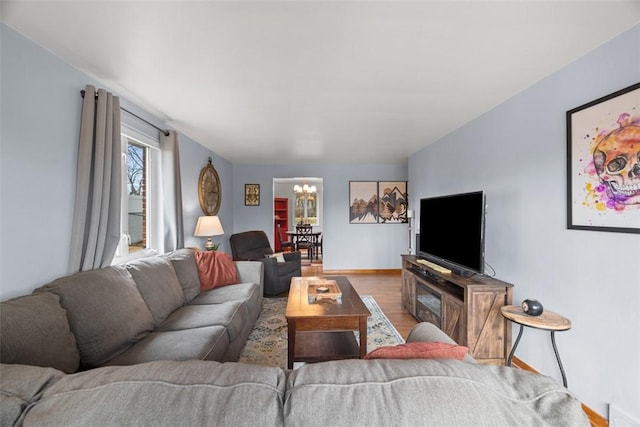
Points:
(409, 292)
(486, 326)
(453, 319)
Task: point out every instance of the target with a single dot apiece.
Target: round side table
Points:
(548, 321)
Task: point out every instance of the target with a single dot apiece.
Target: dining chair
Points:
(304, 238)
(319, 246)
(284, 244)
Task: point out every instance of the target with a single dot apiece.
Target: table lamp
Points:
(208, 226)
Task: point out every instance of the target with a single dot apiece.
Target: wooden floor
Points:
(383, 287)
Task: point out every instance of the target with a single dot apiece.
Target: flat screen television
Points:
(452, 232)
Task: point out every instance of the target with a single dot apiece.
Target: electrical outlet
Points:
(619, 418)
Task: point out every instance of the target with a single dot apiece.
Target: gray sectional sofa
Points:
(61, 345)
(416, 392)
(149, 309)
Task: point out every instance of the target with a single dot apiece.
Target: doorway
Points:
(298, 201)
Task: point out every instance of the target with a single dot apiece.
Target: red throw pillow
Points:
(215, 269)
(419, 350)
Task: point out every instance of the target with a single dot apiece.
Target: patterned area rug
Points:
(267, 343)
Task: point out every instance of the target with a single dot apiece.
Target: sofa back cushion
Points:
(34, 330)
(184, 263)
(426, 392)
(159, 285)
(105, 310)
(21, 386)
(166, 393)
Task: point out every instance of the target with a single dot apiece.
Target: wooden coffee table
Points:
(324, 330)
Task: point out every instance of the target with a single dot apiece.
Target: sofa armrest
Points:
(270, 266)
(251, 271)
(428, 332)
(277, 275)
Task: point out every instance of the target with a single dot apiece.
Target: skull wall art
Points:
(617, 161)
(603, 158)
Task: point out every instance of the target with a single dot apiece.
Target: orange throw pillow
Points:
(419, 350)
(215, 269)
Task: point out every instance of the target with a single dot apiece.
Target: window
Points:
(137, 160)
(140, 219)
(306, 209)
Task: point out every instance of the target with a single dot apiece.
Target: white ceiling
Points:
(319, 81)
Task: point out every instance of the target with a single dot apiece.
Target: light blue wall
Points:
(40, 103)
(345, 246)
(193, 157)
(517, 154)
(40, 116)
(40, 122)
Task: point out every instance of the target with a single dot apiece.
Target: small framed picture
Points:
(252, 194)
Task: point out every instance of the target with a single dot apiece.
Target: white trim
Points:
(143, 138)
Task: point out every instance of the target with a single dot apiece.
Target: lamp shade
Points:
(208, 226)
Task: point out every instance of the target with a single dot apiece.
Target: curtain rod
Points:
(164, 131)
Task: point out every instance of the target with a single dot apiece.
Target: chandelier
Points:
(305, 189)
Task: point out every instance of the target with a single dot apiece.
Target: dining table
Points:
(313, 237)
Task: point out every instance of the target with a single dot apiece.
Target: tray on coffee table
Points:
(323, 289)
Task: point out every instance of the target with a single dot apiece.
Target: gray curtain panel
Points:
(171, 192)
(96, 218)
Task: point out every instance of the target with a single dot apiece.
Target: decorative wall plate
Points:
(209, 192)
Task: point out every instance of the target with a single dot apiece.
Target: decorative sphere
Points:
(532, 307)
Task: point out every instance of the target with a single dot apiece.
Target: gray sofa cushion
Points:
(451, 392)
(206, 343)
(34, 330)
(232, 315)
(248, 292)
(159, 285)
(22, 385)
(105, 310)
(184, 263)
(165, 393)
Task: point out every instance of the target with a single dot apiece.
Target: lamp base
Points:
(210, 246)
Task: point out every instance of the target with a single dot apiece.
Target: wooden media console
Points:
(465, 308)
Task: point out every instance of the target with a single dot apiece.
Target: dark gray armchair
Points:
(255, 246)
